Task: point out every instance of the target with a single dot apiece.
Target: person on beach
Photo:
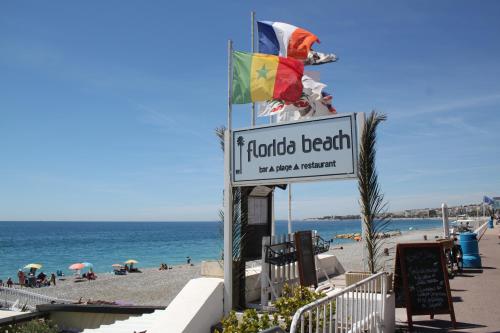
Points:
(91, 275)
(9, 282)
(126, 268)
(41, 276)
(21, 277)
(52, 279)
(41, 280)
(188, 260)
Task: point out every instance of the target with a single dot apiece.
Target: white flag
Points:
(314, 102)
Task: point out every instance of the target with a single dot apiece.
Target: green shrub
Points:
(33, 326)
(292, 300)
(286, 306)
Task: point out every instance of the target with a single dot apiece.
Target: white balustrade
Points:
(357, 308)
(26, 299)
(481, 230)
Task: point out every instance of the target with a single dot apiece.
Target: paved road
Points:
(476, 296)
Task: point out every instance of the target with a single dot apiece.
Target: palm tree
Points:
(373, 207)
(240, 142)
(239, 221)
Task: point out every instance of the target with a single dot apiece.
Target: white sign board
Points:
(321, 148)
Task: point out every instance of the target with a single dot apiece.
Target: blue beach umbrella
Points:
(88, 265)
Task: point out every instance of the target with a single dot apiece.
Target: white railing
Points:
(26, 299)
(471, 223)
(357, 308)
(273, 278)
(481, 230)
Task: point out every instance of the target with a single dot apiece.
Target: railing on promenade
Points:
(279, 264)
(357, 308)
(481, 230)
(26, 299)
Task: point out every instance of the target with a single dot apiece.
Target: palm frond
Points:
(221, 233)
(219, 132)
(373, 206)
(240, 220)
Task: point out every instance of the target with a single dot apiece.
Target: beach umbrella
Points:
(87, 264)
(30, 266)
(131, 261)
(76, 266)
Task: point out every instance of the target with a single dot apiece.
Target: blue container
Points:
(470, 248)
(490, 223)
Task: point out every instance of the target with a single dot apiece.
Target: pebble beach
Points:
(352, 253)
(151, 287)
(159, 288)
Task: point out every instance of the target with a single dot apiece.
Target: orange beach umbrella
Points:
(77, 266)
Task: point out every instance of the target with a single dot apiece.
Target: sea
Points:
(57, 245)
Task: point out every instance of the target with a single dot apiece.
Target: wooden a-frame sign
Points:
(421, 282)
(305, 258)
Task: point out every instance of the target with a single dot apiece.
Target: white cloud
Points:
(448, 106)
(460, 124)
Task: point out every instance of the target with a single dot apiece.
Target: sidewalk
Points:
(475, 294)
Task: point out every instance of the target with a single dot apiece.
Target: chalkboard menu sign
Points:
(305, 258)
(421, 280)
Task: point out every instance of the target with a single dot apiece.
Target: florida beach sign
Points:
(317, 149)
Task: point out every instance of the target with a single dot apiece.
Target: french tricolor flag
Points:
(285, 40)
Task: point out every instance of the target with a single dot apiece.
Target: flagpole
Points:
(228, 195)
(252, 18)
(290, 208)
(273, 222)
(229, 84)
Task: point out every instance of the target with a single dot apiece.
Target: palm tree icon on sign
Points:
(240, 142)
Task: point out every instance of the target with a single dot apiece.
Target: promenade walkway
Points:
(476, 296)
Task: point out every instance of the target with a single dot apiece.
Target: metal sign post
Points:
(252, 18)
(289, 208)
(446, 225)
(360, 124)
(228, 195)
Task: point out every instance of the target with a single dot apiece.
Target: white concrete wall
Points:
(195, 309)
(328, 262)
(212, 268)
(390, 313)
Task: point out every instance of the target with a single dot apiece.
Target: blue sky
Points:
(108, 108)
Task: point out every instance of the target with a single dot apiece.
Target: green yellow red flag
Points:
(261, 77)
